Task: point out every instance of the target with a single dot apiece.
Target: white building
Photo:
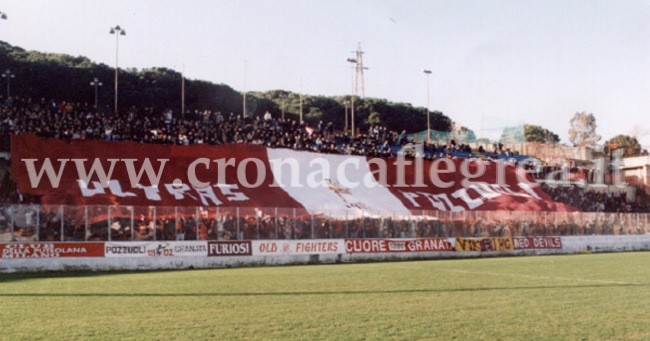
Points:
(637, 169)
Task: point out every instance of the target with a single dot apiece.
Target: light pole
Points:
(117, 31)
(427, 74)
(283, 97)
(244, 92)
(96, 83)
(300, 100)
(7, 74)
(346, 104)
(183, 92)
(354, 88)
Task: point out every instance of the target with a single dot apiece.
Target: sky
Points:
(493, 63)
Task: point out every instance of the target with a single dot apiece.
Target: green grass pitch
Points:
(577, 297)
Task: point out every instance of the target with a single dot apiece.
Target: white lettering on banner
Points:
(222, 166)
(411, 197)
(540, 243)
(468, 175)
(365, 246)
(242, 172)
(434, 201)
(443, 201)
(472, 203)
(154, 178)
(116, 189)
(229, 248)
(435, 171)
(537, 243)
(398, 245)
(401, 164)
(318, 178)
(484, 189)
(294, 166)
(298, 247)
(151, 192)
(41, 250)
(96, 168)
(113, 185)
(447, 200)
(430, 244)
(229, 191)
(89, 192)
(521, 243)
(191, 173)
(205, 196)
(178, 190)
(47, 168)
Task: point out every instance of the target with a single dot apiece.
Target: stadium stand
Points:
(80, 121)
(77, 121)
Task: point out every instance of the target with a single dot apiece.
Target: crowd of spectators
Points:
(74, 121)
(78, 121)
(594, 201)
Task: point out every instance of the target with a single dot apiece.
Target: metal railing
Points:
(136, 223)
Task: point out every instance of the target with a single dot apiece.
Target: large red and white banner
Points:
(134, 174)
(467, 184)
(77, 166)
(51, 250)
(348, 184)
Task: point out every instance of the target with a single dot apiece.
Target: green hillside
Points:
(63, 77)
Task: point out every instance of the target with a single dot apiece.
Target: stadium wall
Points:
(112, 256)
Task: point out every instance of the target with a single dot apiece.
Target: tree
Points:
(373, 119)
(583, 130)
(465, 134)
(512, 135)
(66, 78)
(627, 144)
(535, 133)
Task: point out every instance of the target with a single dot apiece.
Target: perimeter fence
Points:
(136, 223)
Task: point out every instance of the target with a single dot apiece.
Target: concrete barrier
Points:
(33, 257)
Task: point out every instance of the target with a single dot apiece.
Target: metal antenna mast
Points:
(359, 72)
